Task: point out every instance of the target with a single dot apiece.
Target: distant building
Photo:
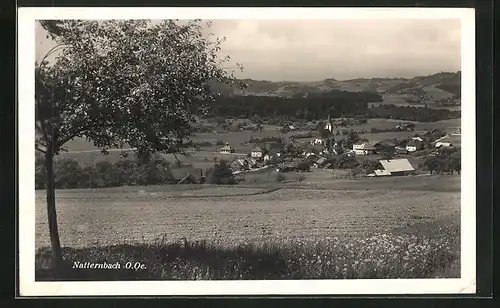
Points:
(239, 164)
(319, 141)
(242, 164)
(256, 152)
(320, 162)
(187, 174)
(414, 145)
(364, 148)
(396, 167)
(443, 144)
(227, 149)
(329, 124)
(357, 146)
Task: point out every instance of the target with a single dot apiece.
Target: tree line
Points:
(407, 113)
(335, 103)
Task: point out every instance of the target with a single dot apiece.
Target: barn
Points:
(396, 167)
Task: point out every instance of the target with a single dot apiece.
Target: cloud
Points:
(317, 49)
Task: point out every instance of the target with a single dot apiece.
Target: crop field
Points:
(233, 215)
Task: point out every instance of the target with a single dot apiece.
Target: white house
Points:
(227, 149)
(256, 152)
(414, 145)
(443, 144)
(319, 141)
(363, 149)
(357, 146)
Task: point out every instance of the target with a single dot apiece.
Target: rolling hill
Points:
(430, 89)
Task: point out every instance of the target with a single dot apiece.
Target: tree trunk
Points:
(51, 210)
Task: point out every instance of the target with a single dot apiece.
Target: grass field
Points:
(87, 217)
(338, 229)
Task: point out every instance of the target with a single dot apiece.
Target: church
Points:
(327, 141)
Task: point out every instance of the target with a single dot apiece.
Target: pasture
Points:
(233, 215)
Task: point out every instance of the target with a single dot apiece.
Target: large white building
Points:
(256, 152)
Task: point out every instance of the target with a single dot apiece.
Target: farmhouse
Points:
(320, 162)
(242, 164)
(357, 146)
(239, 164)
(364, 149)
(256, 152)
(443, 144)
(227, 149)
(414, 145)
(396, 167)
(187, 174)
(449, 140)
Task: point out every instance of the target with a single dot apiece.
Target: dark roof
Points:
(387, 143)
(182, 172)
(257, 149)
(274, 146)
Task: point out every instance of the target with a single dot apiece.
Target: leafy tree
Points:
(455, 162)
(432, 164)
(347, 162)
(123, 83)
(303, 166)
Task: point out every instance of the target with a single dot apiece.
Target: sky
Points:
(313, 50)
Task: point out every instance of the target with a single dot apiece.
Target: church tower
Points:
(329, 125)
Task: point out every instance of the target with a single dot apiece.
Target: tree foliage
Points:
(127, 83)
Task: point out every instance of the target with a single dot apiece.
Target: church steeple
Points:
(329, 125)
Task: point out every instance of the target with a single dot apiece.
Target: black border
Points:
(484, 87)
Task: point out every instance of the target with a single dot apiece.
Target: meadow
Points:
(220, 232)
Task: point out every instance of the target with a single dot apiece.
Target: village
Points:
(323, 148)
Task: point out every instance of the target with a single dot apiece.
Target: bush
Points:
(70, 174)
(219, 142)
